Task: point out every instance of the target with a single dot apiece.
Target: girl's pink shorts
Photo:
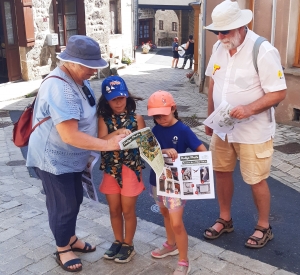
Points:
(131, 185)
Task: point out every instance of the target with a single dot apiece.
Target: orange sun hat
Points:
(160, 103)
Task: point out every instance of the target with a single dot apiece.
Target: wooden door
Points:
(145, 31)
(11, 45)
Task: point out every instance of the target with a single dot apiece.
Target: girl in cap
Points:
(122, 179)
(174, 137)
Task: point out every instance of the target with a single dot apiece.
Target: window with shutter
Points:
(174, 26)
(69, 19)
(25, 22)
(115, 16)
(161, 24)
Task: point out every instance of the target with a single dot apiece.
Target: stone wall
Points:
(97, 22)
(40, 59)
(121, 45)
(184, 20)
(165, 37)
(37, 60)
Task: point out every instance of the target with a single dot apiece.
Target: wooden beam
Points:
(251, 7)
(297, 53)
(196, 34)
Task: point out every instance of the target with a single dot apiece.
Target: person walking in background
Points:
(122, 179)
(234, 79)
(189, 52)
(174, 137)
(175, 53)
(60, 147)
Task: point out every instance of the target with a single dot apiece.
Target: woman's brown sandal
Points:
(87, 247)
(227, 227)
(66, 265)
(260, 242)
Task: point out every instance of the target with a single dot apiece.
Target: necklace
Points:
(75, 82)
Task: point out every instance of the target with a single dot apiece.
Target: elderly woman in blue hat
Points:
(60, 147)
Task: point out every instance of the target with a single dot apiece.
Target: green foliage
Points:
(126, 60)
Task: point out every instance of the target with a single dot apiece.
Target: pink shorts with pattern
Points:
(173, 204)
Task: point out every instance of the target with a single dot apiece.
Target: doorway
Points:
(3, 64)
(145, 31)
(10, 67)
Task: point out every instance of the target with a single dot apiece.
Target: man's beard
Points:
(233, 42)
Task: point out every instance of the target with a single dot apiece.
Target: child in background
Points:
(175, 53)
(122, 178)
(174, 137)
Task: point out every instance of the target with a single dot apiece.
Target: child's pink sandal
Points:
(166, 250)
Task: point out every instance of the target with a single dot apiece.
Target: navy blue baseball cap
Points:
(114, 86)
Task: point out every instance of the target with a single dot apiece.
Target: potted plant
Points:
(146, 47)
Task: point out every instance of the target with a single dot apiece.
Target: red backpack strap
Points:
(46, 118)
(43, 120)
(56, 76)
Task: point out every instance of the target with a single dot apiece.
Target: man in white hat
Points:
(233, 78)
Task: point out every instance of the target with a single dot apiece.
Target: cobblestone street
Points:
(26, 242)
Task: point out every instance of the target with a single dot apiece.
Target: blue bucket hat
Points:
(83, 50)
(114, 86)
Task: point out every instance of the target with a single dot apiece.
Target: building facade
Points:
(279, 22)
(161, 21)
(32, 32)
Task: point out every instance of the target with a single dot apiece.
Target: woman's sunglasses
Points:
(221, 32)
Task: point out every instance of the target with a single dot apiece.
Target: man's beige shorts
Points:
(255, 159)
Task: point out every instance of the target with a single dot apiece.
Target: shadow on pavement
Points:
(163, 57)
(282, 251)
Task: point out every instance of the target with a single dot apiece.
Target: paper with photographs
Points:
(87, 177)
(189, 177)
(148, 145)
(221, 121)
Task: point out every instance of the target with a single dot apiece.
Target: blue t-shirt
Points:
(178, 136)
(61, 101)
(174, 45)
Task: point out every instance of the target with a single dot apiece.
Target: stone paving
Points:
(26, 243)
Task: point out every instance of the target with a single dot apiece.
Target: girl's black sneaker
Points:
(125, 254)
(112, 252)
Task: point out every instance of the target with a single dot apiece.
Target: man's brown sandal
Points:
(227, 227)
(260, 242)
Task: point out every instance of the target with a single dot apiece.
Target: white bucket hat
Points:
(229, 16)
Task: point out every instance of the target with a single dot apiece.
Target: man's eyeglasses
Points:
(88, 95)
(221, 32)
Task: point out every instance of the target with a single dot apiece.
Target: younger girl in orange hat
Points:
(174, 137)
